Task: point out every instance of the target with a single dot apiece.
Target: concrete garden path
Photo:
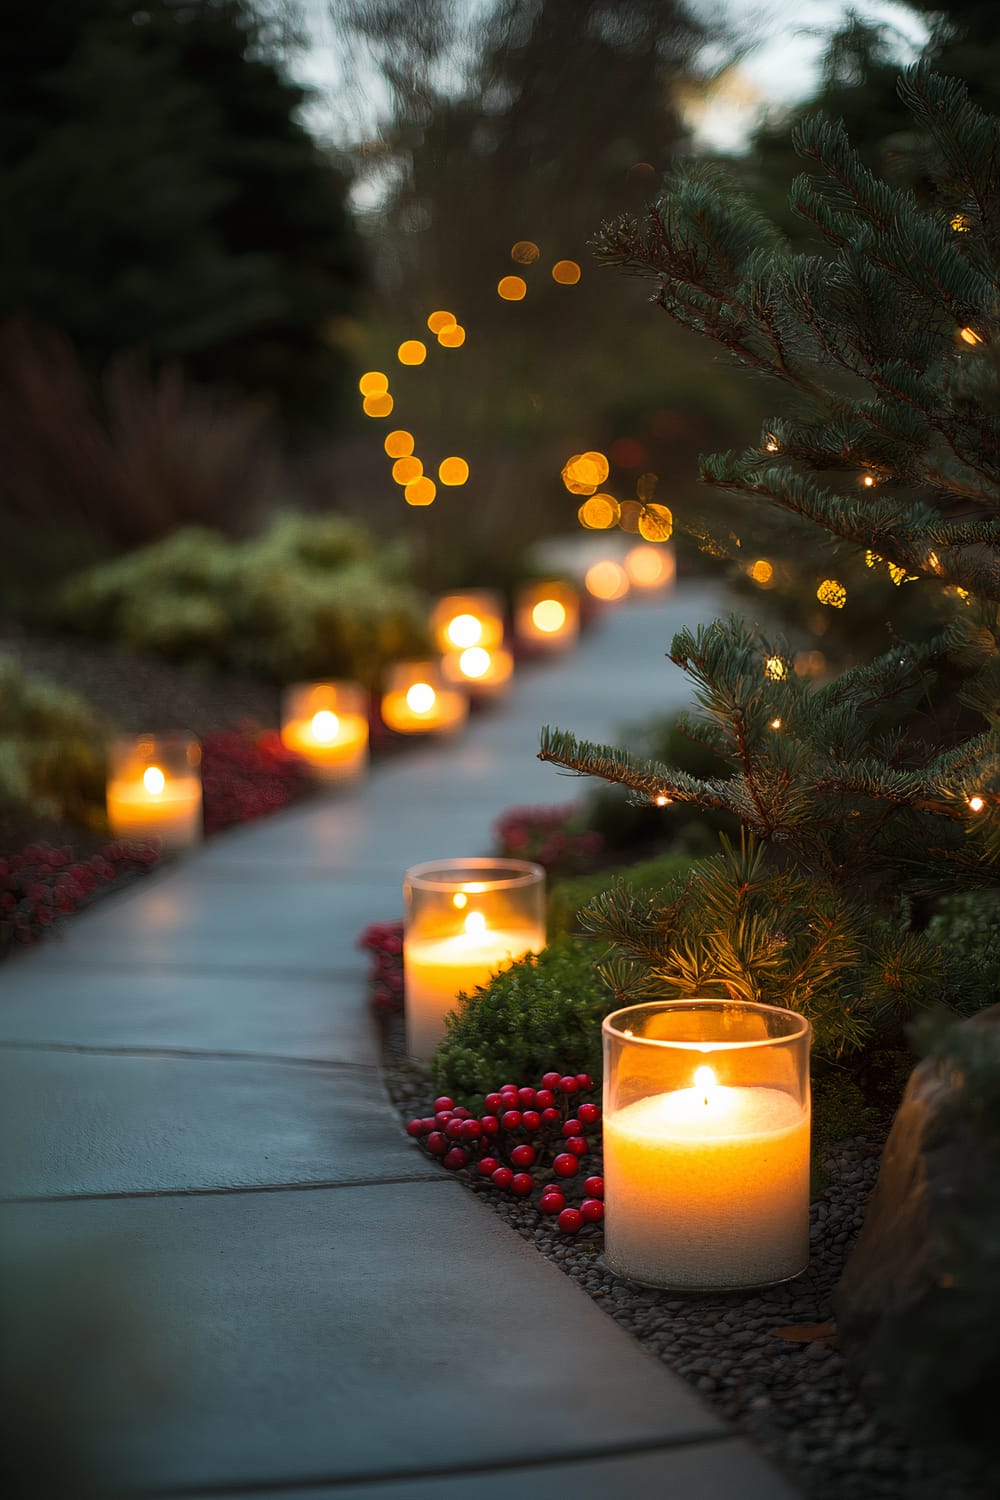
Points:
(199, 1157)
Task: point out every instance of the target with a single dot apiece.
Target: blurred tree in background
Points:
(160, 197)
(524, 122)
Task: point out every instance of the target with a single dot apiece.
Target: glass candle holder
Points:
(465, 920)
(471, 618)
(706, 1144)
(547, 615)
(326, 723)
(483, 673)
(154, 789)
(418, 700)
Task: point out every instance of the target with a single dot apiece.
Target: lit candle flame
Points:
(325, 726)
(420, 698)
(153, 780)
(460, 899)
(549, 616)
(705, 1081)
(465, 630)
(475, 924)
(475, 662)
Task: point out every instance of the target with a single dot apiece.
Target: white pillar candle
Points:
(706, 1144)
(708, 1187)
(154, 790)
(466, 919)
(437, 970)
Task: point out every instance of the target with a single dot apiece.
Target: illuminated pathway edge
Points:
(197, 1138)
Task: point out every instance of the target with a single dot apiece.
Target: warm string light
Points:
(775, 723)
(662, 800)
(969, 336)
(832, 592)
(775, 669)
(771, 443)
(868, 481)
(976, 803)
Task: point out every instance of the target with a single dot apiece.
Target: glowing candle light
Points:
(474, 617)
(326, 723)
(418, 700)
(154, 789)
(465, 920)
(484, 673)
(547, 615)
(651, 567)
(706, 1166)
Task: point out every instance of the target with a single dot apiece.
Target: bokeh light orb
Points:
(453, 470)
(566, 272)
(420, 491)
(405, 470)
(606, 580)
(452, 336)
(411, 352)
(655, 523)
(512, 288)
(465, 630)
(373, 383)
(325, 726)
(398, 443)
(600, 512)
(650, 567)
(440, 320)
(378, 406)
(474, 662)
(524, 252)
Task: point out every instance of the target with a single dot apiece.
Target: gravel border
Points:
(794, 1400)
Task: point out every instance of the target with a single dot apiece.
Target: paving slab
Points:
(185, 917)
(82, 1123)
(359, 1332)
(697, 1471)
(274, 1015)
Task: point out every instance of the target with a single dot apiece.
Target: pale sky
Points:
(789, 37)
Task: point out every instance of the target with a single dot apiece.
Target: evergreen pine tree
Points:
(159, 196)
(880, 789)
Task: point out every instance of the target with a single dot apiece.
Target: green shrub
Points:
(544, 1012)
(312, 596)
(648, 878)
(52, 749)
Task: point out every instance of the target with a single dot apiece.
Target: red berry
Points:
(510, 1119)
(443, 1103)
(584, 1080)
(442, 1117)
(436, 1143)
(550, 1080)
(487, 1166)
(572, 1127)
(569, 1220)
(508, 1088)
(577, 1145)
(531, 1119)
(552, 1203)
(587, 1114)
(550, 1115)
(456, 1158)
(591, 1210)
(522, 1183)
(489, 1125)
(565, 1165)
(523, 1156)
(415, 1127)
(461, 1113)
(429, 1123)
(544, 1098)
(594, 1187)
(503, 1177)
(569, 1085)
(493, 1103)
(471, 1130)
(526, 1096)
(453, 1129)
(509, 1099)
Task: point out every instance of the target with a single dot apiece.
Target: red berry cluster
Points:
(42, 883)
(527, 1137)
(552, 836)
(384, 941)
(246, 774)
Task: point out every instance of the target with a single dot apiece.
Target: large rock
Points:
(933, 1159)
